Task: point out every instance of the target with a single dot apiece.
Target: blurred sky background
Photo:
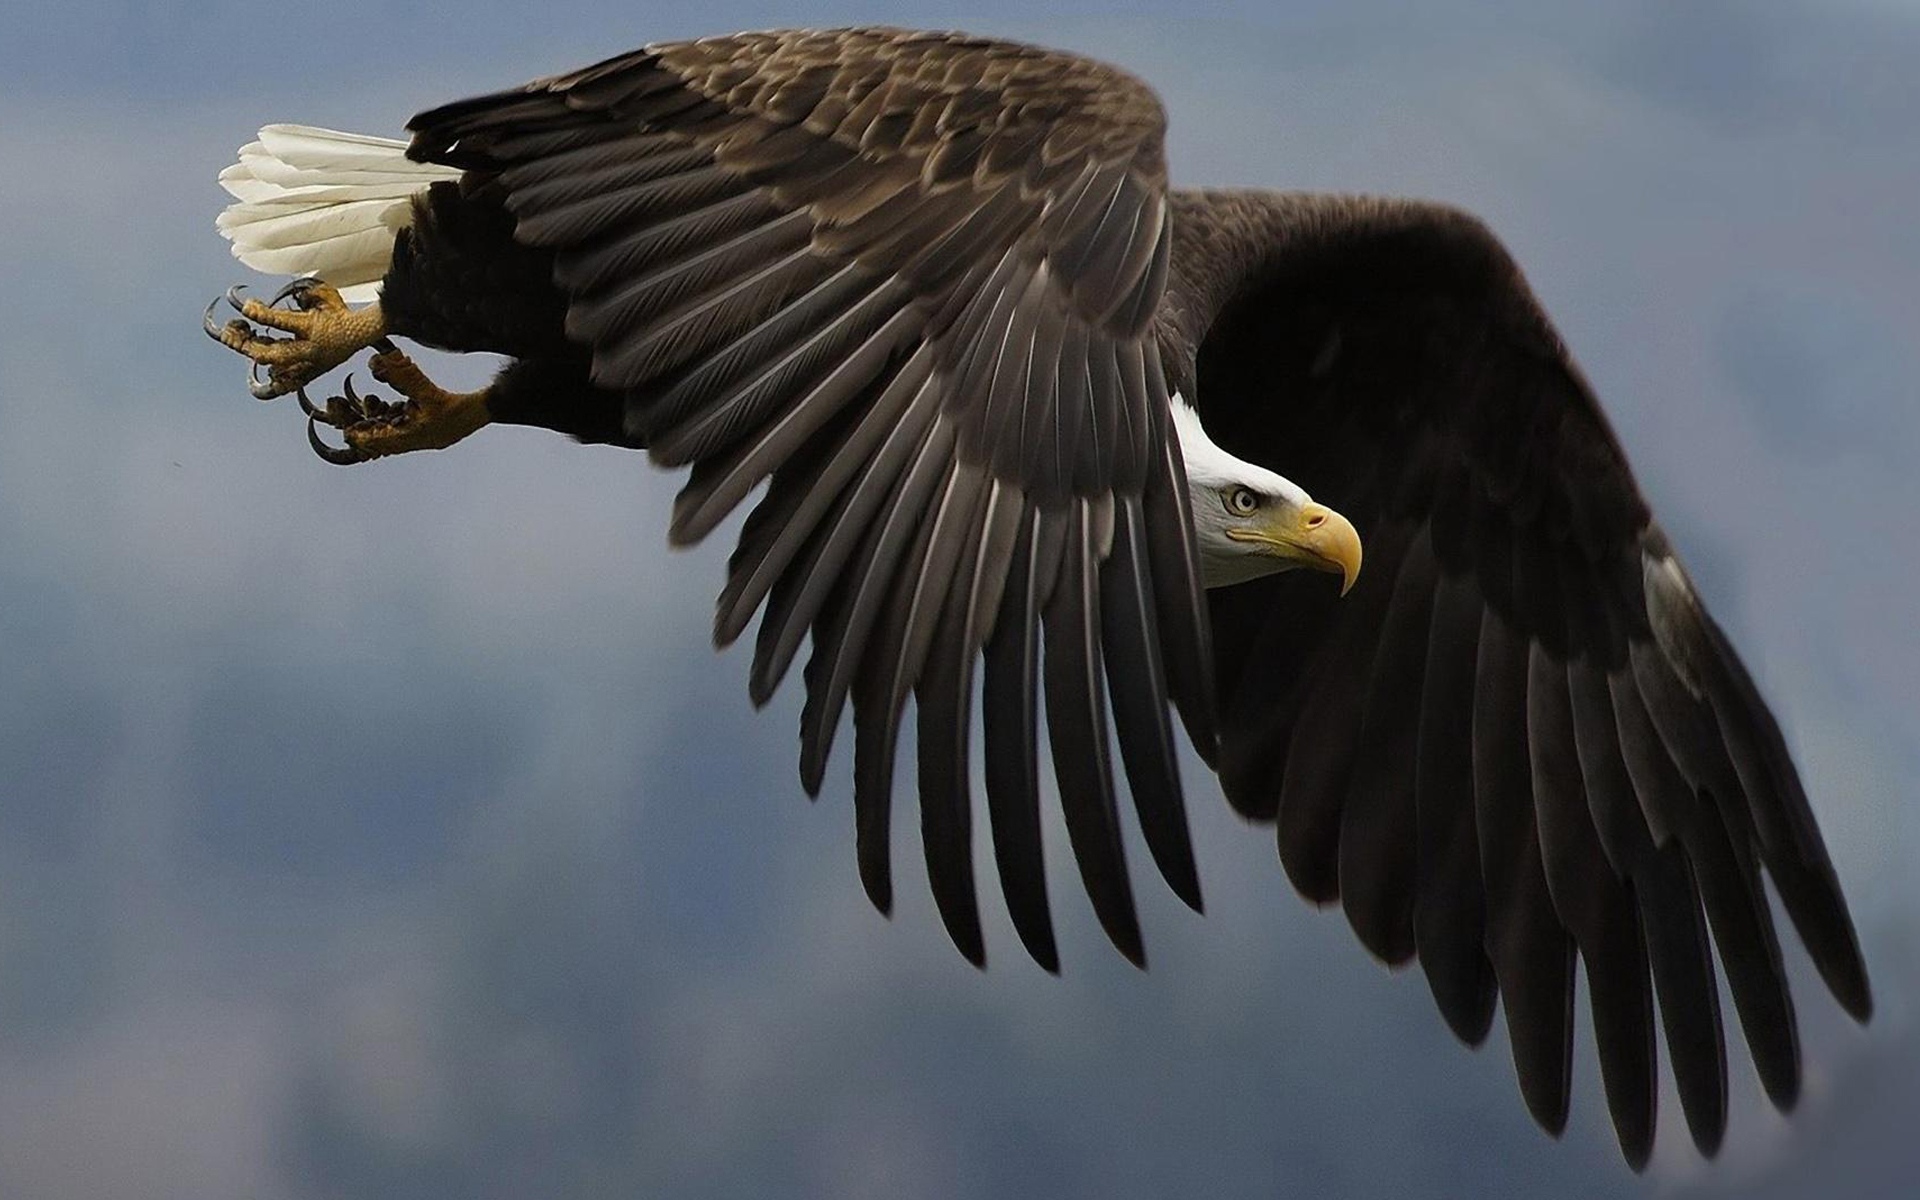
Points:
(395, 832)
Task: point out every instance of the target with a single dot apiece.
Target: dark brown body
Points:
(460, 282)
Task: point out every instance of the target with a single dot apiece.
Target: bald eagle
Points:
(1016, 409)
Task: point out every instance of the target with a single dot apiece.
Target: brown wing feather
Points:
(908, 278)
(1574, 759)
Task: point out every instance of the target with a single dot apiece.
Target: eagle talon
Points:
(214, 328)
(430, 418)
(262, 389)
(347, 411)
(307, 294)
(339, 456)
(322, 330)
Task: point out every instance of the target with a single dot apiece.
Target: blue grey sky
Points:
(395, 832)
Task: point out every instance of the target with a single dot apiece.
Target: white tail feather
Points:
(319, 202)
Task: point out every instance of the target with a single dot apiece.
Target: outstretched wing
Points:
(1522, 737)
(908, 279)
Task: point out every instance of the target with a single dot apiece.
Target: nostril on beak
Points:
(1316, 520)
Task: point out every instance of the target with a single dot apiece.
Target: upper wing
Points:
(908, 278)
(1522, 737)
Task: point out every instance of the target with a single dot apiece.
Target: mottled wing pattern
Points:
(1521, 741)
(905, 280)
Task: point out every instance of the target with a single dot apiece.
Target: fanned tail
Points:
(311, 201)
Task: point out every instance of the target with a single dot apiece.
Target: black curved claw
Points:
(214, 328)
(306, 405)
(339, 456)
(262, 389)
(297, 290)
(293, 285)
(233, 298)
(353, 397)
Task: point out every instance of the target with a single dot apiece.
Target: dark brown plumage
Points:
(934, 293)
(912, 280)
(1588, 760)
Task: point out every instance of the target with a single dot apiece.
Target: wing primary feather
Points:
(754, 401)
(1611, 804)
(1076, 236)
(1022, 441)
(1094, 461)
(700, 386)
(1133, 423)
(708, 498)
(1378, 851)
(1789, 838)
(986, 305)
(1180, 600)
(978, 237)
(1004, 518)
(1677, 943)
(838, 658)
(1323, 749)
(912, 229)
(1730, 886)
(1077, 725)
(776, 641)
(1594, 906)
(1109, 277)
(1750, 955)
(1134, 317)
(1083, 200)
(997, 384)
(1532, 955)
(1449, 911)
(1008, 720)
(876, 721)
(756, 573)
(953, 529)
(944, 707)
(1063, 357)
(1136, 688)
(703, 325)
(881, 677)
(790, 615)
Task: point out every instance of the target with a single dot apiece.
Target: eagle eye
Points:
(1242, 501)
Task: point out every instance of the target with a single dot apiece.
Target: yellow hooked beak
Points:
(1311, 535)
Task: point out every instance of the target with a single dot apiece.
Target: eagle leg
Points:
(325, 333)
(431, 418)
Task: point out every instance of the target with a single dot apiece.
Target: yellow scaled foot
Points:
(325, 333)
(432, 418)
